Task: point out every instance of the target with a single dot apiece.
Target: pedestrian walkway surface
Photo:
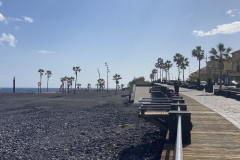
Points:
(215, 134)
(141, 92)
(226, 107)
(213, 137)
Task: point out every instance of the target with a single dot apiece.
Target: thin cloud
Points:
(1, 3)
(28, 19)
(45, 52)
(232, 12)
(2, 18)
(230, 28)
(15, 19)
(9, 38)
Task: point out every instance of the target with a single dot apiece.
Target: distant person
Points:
(176, 87)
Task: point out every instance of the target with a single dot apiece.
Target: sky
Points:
(130, 35)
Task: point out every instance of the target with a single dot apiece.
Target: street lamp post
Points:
(107, 74)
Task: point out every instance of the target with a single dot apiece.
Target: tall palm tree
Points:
(184, 64)
(116, 78)
(220, 56)
(101, 83)
(178, 58)
(199, 54)
(71, 80)
(154, 72)
(48, 73)
(161, 65)
(152, 77)
(41, 71)
(157, 65)
(168, 66)
(76, 70)
(62, 80)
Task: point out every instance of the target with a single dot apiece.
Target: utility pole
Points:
(98, 73)
(107, 74)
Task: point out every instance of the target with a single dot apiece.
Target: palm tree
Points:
(220, 56)
(76, 70)
(154, 71)
(157, 65)
(62, 80)
(152, 77)
(116, 78)
(101, 83)
(71, 80)
(78, 86)
(178, 58)
(199, 54)
(66, 82)
(184, 64)
(88, 86)
(41, 73)
(160, 62)
(168, 66)
(48, 73)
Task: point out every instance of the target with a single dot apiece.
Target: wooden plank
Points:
(213, 137)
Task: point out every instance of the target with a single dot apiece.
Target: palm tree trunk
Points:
(47, 83)
(199, 70)
(160, 74)
(40, 83)
(75, 83)
(178, 73)
(168, 75)
(183, 74)
(116, 89)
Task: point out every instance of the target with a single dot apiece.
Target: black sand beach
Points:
(88, 125)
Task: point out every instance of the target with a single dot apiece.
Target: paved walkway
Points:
(226, 107)
(141, 92)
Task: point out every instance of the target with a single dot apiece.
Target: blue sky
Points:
(128, 34)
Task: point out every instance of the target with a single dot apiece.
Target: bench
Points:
(161, 107)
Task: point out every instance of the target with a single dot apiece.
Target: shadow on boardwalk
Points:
(151, 148)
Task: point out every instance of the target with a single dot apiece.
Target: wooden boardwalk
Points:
(213, 137)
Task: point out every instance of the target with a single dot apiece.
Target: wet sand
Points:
(88, 125)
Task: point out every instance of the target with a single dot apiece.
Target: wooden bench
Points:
(166, 100)
(161, 107)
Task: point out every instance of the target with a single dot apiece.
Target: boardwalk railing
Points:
(178, 148)
(169, 113)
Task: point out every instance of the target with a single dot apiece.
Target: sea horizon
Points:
(35, 90)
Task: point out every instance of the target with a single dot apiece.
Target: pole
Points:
(107, 74)
(13, 84)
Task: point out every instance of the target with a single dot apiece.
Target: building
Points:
(231, 70)
(236, 66)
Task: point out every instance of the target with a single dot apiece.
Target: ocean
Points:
(35, 90)
(27, 90)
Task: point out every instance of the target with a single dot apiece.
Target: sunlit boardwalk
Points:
(213, 137)
(141, 92)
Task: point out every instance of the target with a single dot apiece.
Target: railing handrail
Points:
(178, 148)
